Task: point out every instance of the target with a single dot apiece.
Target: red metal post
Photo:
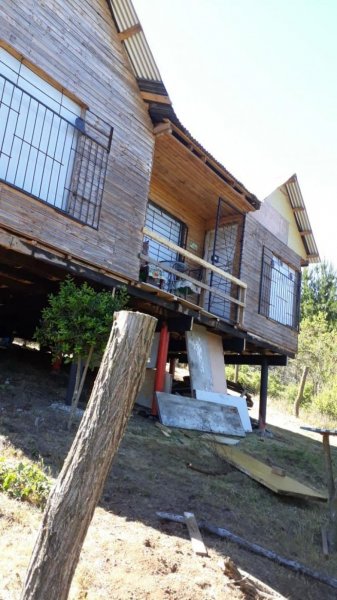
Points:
(159, 381)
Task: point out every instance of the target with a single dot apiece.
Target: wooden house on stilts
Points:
(100, 180)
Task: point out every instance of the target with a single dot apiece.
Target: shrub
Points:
(326, 401)
(250, 377)
(290, 391)
(24, 481)
(275, 387)
(76, 324)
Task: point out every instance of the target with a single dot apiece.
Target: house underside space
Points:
(30, 271)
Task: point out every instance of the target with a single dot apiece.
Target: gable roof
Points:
(288, 201)
(153, 90)
(293, 190)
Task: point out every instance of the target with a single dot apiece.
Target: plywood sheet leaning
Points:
(206, 360)
(188, 413)
(228, 400)
(264, 474)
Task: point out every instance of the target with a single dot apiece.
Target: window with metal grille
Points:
(166, 225)
(280, 290)
(45, 148)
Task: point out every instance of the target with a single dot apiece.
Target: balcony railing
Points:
(50, 158)
(189, 276)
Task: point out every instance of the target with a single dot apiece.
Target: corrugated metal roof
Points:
(146, 72)
(301, 217)
(137, 48)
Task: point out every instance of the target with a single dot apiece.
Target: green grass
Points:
(24, 481)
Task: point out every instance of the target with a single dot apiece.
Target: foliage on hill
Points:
(317, 349)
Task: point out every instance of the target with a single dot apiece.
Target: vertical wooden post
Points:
(299, 396)
(173, 364)
(159, 382)
(72, 501)
(328, 466)
(332, 525)
(263, 394)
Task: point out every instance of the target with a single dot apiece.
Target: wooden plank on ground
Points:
(257, 549)
(228, 400)
(264, 474)
(188, 413)
(195, 535)
(220, 439)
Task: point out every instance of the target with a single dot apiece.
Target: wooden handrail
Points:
(186, 277)
(187, 254)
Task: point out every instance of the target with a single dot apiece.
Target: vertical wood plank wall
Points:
(255, 237)
(196, 226)
(75, 43)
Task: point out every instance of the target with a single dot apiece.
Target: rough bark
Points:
(78, 488)
(299, 396)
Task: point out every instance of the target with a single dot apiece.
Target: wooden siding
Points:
(161, 195)
(255, 238)
(75, 44)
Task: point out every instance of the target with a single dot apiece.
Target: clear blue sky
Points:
(255, 82)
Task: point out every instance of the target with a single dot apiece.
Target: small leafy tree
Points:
(317, 356)
(76, 325)
(319, 293)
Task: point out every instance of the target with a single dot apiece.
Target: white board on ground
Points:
(220, 439)
(188, 413)
(228, 400)
(206, 360)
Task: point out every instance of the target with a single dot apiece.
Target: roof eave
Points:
(153, 90)
(294, 194)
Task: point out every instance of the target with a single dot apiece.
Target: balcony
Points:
(49, 153)
(193, 281)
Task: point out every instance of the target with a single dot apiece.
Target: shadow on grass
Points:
(151, 473)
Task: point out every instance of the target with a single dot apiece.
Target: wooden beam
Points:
(127, 33)
(305, 232)
(48, 253)
(162, 128)
(256, 359)
(149, 97)
(4, 275)
(297, 209)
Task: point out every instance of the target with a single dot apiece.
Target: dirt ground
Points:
(129, 553)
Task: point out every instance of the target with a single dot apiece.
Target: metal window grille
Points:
(226, 254)
(174, 230)
(49, 158)
(279, 291)
(169, 227)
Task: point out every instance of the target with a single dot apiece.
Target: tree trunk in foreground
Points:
(72, 502)
(299, 396)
